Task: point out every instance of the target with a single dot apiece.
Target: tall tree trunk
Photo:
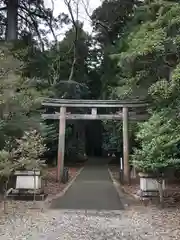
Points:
(12, 20)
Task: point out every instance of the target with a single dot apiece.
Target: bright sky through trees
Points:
(59, 6)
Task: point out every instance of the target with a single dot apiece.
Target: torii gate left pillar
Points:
(61, 143)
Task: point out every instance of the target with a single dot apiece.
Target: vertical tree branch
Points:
(49, 20)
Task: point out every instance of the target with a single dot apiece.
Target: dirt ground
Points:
(52, 187)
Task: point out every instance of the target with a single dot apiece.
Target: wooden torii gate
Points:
(123, 114)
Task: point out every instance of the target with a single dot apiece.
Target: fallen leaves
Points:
(52, 186)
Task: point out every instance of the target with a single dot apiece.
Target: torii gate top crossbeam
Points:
(92, 103)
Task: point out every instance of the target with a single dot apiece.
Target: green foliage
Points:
(110, 19)
(25, 156)
(150, 47)
(6, 163)
(159, 138)
(19, 100)
(148, 59)
(165, 92)
(30, 149)
(19, 112)
(112, 135)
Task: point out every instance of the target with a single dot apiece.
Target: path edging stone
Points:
(119, 189)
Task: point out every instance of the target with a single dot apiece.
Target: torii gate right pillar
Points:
(126, 177)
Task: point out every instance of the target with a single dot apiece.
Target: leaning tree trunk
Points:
(12, 20)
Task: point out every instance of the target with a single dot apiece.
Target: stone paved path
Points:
(93, 189)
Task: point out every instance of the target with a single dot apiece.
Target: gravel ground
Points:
(138, 222)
